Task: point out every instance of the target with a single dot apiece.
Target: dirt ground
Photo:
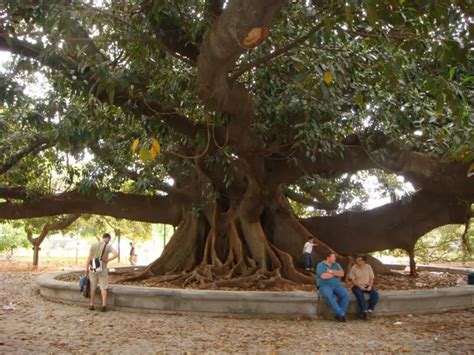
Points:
(31, 324)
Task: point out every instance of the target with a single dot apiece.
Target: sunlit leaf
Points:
(135, 144)
(156, 145)
(327, 77)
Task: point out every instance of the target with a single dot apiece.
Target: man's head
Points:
(131, 244)
(106, 237)
(361, 259)
(331, 257)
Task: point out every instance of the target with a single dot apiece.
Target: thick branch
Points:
(153, 209)
(396, 225)
(421, 169)
(215, 7)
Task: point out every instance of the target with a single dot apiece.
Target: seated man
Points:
(362, 278)
(328, 276)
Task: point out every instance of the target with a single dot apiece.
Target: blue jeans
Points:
(330, 293)
(308, 260)
(359, 294)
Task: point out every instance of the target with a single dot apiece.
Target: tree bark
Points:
(48, 228)
(396, 225)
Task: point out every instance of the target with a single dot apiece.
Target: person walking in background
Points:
(328, 278)
(133, 255)
(362, 277)
(307, 251)
(96, 268)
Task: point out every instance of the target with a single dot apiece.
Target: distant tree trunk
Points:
(49, 227)
(411, 255)
(36, 249)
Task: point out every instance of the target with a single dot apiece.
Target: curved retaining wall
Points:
(254, 303)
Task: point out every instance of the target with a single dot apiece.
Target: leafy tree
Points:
(212, 115)
(44, 226)
(445, 244)
(11, 238)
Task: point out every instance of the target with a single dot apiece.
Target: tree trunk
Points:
(49, 227)
(36, 250)
(411, 255)
(226, 248)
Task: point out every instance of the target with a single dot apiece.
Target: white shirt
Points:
(308, 247)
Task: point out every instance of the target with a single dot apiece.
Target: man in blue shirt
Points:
(328, 279)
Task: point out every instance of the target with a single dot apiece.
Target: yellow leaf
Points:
(135, 145)
(155, 145)
(327, 77)
(153, 152)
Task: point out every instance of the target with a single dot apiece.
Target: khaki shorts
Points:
(102, 278)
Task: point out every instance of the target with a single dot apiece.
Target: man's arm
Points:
(330, 273)
(89, 259)
(114, 256)
(371, 279)
(339, 272)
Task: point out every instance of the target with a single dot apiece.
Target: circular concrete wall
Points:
(258, 303)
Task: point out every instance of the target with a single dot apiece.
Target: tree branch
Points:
(152, 209)
(69, 67)
(364, 152)
(395, 225)
(38, 145)
(320, 205)
(275, 54)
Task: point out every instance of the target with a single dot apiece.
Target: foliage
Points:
(444, 244)
(441, 244)
(112, 81)
(95, 226)
(12, 238)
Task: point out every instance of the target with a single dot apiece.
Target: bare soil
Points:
(31, 324)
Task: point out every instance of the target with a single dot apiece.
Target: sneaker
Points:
(341, 319)
(91, 308)
(307, 269)
(370, 310)
(365, 315)
(103, 309)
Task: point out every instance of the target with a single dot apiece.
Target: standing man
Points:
(328, 276)
(362, 277)
(307, 250)
(133, 255)
(100, 250)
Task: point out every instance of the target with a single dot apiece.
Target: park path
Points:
(39, 326)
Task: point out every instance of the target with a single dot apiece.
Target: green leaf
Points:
(371, 13)
(144, 154)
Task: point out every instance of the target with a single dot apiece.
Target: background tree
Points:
(44, 228)
(211, 115)
(11, 238)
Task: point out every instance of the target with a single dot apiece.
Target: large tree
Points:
(219, 116)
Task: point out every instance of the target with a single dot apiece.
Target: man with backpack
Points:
(97, 268)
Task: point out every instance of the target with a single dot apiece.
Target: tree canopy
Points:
(213, 115)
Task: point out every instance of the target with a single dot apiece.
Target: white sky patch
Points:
(5, 58)
(39, 88)
(169, 181)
